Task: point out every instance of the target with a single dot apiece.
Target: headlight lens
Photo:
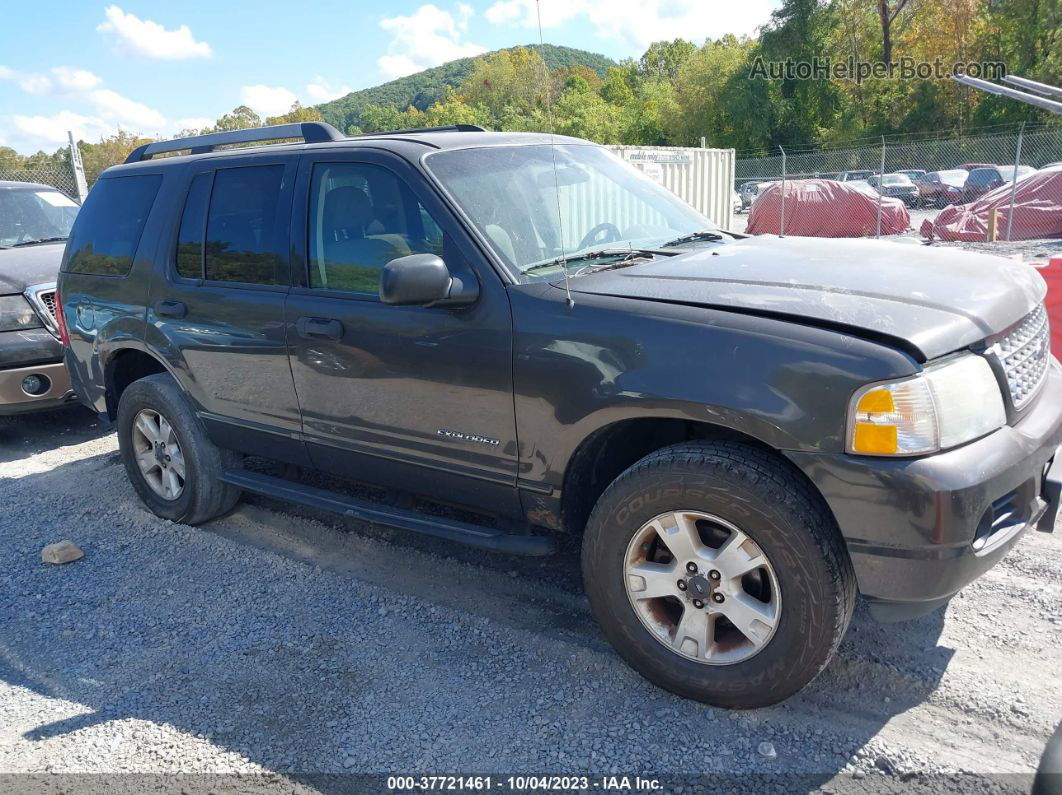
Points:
(941, 407)
(16, 313)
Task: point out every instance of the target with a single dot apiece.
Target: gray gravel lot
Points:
(289, 643)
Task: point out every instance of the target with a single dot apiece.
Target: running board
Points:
(461, 532)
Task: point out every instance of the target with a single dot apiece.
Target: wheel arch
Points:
(124, 367)
(608, 451)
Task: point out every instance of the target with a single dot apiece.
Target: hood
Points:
(931, 300)
(22, 267)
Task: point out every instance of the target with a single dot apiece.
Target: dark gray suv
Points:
(745, 431)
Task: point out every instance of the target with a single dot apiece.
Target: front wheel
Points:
(717, 573)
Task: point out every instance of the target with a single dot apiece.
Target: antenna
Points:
(553, 152)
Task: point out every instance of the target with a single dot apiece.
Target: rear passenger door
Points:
(416, 398)
(218, 310)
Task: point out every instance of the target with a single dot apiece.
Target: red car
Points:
(826, 208)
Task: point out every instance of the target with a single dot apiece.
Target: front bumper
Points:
(918, 530)
(13, 400)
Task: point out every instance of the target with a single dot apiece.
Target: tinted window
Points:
(245, 238)
(108, 228)
(190, 238)
(361, 218)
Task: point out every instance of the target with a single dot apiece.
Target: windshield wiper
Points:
(627, 254)
(704, 234)
(42, 240)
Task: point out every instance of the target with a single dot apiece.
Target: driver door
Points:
(414, 398)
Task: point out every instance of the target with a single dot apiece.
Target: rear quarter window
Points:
(107, 230)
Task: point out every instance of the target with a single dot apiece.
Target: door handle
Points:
(175, 309)
(319, 328)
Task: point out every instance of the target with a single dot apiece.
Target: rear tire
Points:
(749, 495)
(197, 495)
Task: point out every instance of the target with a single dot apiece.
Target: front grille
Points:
(42, 297)
(48, 300)
(1025, 354)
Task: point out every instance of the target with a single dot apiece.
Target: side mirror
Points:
(424, 280)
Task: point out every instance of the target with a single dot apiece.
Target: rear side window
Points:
(108, 228)
(244, 236)
(193, 222)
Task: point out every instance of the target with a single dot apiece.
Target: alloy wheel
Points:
(158, 454)
(702, 587)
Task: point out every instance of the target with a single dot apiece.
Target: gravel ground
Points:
(282, 644)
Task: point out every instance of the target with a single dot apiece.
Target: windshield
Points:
(28, 216)
(531, 216)
(896, 179)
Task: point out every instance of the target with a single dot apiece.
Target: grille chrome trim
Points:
(1025, 356)
(42, 299)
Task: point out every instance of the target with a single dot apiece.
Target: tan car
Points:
(35, 222)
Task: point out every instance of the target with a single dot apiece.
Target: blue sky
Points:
(155, 68)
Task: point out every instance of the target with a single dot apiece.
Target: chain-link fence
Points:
(67, 174)
(58, 177)
(1002, 186)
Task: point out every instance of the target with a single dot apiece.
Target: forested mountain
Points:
(422, 89)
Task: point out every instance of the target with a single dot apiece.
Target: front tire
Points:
(733, 529)
(171, 463)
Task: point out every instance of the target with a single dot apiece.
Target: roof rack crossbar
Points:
(311, 132)
(443, 128)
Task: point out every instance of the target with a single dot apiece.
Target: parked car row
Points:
(916, 187)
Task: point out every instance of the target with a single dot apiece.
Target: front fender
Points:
(579, 369)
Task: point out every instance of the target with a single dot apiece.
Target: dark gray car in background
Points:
(744, 431)
(35, 221)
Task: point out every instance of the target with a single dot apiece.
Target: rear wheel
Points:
(171, 463)
(718, 574)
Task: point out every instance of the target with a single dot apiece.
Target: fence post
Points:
(78, 167)
(1014, 181)
(881, 186)
(781, 230)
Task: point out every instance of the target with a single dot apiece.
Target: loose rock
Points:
(61, 552)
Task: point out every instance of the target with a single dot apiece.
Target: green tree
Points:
(664, 59)
(239, 118)
(714, 97)
(508, 84)
(297, 114)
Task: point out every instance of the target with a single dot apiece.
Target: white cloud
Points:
(40, 131)
(144, 37)
(113, 106)
(320, 90)
(64, 80)
(268, 100)
(34, 84)
(427, 37)
(75, 79)
(639, 23)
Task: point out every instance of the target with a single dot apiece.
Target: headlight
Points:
(16, 313)
(941, 407)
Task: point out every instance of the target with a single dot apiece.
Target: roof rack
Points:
(312, 132)
(444, 128)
